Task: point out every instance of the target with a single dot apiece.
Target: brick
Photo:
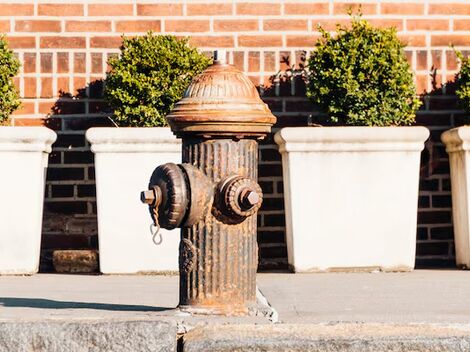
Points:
(79, 63)
(29, 122)
(55, 158)
(301, 40)
(432, 248)
(62, 191)
(387, 23)
(82, 124)
(212, 42)
(413, 40)
(274, 220)
(72, 207)
(62, 42)
(46, 87)
(67, 107)
(235, 25)
(110, 10)
(64, 241)
(260, 40)
(402, 8)
(46, 62)
(37, 26)
(4, 26)
(159, 9)
(79, 85)
(138, 26)
(269, 61)
(434, 217)
(96, 62)
(422, 60)
(267, 187)
(60, 10)
(105, 42)
(86, 190)
(446, 40)
(330, 24)
(442, 233)
(239, 60)
(25, 109)
(423, 202)
(16, 9)
(285, 25)
(75, 261)
(63, 173)
(187, 26)
(436, 59)
(306, 9)
(273, 251)
(29, 63)
(63, 63)
(427, 25)
(69, 141)
(21, 42)
(30, 87)
(209, 9)
(78, 157)
(253, 61)
(63, 86)
(440, 201)
(88, 26)
(270, 170)
(258, 8)
(449, 9)
(355, 7)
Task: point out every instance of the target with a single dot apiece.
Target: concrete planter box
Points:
(351, 196)
(23, 159)
(124, 160)
(457, 143)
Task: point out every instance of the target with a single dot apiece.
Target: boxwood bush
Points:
(149, 77)
(463, 82)
(360, 76)
(9, 67)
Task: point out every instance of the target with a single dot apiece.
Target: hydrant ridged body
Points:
(214, 195)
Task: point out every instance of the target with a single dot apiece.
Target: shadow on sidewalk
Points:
(51, 304)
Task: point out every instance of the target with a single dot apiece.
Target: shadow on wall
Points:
(70, 196)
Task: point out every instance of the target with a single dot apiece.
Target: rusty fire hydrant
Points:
(214, 195)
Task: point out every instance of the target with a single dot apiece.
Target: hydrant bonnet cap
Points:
(221, 101)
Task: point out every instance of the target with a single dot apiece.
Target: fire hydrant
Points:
(214, 195)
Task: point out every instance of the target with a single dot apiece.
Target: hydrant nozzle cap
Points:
(221, 101)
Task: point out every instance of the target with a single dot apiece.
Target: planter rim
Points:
(345, 138)
(26, 139)
(456, 139)
(132, 140)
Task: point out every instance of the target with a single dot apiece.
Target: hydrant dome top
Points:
(221, 101)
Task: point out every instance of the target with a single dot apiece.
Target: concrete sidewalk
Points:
(422, 311)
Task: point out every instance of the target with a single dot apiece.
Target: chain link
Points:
(155, 231)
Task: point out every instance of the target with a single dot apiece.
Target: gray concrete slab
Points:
(422, 296)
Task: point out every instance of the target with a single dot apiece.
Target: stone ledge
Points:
(60, 336)
(328, 338)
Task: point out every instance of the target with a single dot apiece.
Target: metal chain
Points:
(155, 230)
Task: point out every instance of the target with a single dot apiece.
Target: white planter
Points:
(124, 161)
(23, 159)
(457, 143)
(351, 196)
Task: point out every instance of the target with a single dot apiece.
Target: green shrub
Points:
(149, 77)
(463, 82)
(361, 77)
(9, 66)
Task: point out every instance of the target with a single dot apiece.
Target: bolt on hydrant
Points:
(214, 195)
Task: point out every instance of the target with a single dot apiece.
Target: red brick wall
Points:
(64, 48)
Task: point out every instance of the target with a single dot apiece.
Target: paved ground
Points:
(439, 296)
(419, 311)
